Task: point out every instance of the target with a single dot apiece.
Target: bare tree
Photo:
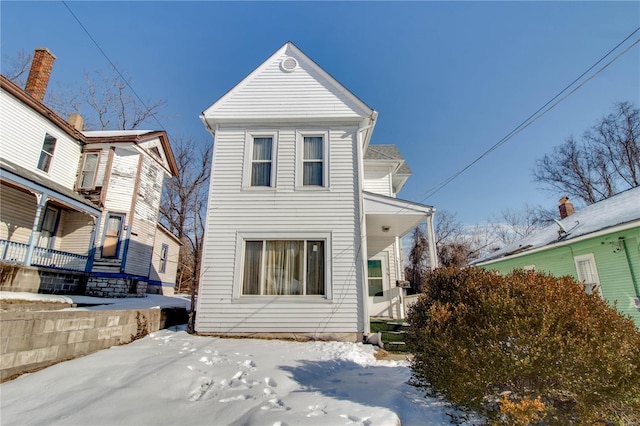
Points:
(106, 102)
(605, 161)
(183, 211)
(416, 271)
(16, 68)
(514, 224)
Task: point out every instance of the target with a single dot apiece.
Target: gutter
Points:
(596, 234)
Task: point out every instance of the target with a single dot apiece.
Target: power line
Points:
(112, 64)
(534, 117)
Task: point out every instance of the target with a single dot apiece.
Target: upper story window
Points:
(261, 151)
(261, 162)
(46, 155)
(89, 169)
(313, 165)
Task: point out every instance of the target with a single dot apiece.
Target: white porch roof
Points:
(388, 218)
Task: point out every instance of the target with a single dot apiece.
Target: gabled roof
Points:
(133, 136)
(273, 90)
(19, 93)
(606, 216)
(387, 153)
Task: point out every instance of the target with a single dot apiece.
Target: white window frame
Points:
(242, 237)
(300, 135)
(590, 258)
(95, 172)
(248, 159)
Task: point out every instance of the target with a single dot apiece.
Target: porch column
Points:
(42, 201)
(433, 258)
(97, 220)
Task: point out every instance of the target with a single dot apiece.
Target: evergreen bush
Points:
(525, 348)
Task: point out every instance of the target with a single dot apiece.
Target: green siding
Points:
(618, 269)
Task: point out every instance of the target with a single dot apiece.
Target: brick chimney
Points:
(565, 207)
(76, 121)
(40, 72)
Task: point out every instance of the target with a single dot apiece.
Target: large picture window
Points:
(284, 267)
(46, 155)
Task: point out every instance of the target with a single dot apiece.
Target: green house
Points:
(598, 245)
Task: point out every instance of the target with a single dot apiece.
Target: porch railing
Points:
(17, 252)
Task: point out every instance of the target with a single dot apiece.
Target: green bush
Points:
(525, 348)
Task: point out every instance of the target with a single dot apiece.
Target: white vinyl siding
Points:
(274, 93)
(378, 181)
(23, 133)
(74, 232)
(234, 214)
(18, 211)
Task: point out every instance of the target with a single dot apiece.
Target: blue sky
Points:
(449, 79)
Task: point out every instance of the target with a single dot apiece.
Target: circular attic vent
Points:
(288, 64)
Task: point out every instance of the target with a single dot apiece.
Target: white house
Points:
(302, 236)
(79, 210)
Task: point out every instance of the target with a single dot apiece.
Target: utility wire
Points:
(532, 118)
(112, 64)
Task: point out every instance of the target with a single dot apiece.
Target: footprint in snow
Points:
(201, 390)
(246, 364)
(355, 420)
(270, 382)
(236, 398)
(206, 360)
(274, 404)
(316, 410)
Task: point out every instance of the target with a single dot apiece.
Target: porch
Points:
(14, 252)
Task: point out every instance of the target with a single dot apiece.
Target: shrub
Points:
(524, 347)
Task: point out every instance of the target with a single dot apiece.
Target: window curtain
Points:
(261, 165)
(252, 265)
(315, 267)
(313, 158)
(283, 268)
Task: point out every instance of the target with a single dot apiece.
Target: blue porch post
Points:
(42, 201)
(92, 242)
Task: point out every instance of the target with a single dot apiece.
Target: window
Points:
(89, 168)
(313, 161)
(375, 277)
(284, 268)
(262, 152)
(48, 227)
(587, 273)
(46, 155)
(164, 252)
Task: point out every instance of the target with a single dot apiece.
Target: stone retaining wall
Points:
(40, 280)
(34, 340)
(115, 287)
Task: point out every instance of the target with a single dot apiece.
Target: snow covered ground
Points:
(173, 378)
(103, 303)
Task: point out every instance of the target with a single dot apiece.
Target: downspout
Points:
(42, 201)
(92, 242)
(634, 279)
(399, 276)
(361, 143)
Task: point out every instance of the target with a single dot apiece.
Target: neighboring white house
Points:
(303, 228)
(77, 208)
